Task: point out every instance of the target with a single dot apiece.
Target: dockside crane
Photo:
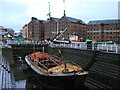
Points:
(64, 7)
(60, 34)
(49, 14)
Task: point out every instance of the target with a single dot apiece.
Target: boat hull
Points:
(63, 82)
(58, 81)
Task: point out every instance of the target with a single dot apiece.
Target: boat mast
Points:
(64, 7)
(49, 14)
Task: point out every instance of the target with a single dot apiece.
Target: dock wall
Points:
(22, 50)
(6, 75)
(105, 72)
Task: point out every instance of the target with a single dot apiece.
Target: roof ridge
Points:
(109, 21)
(105, 20)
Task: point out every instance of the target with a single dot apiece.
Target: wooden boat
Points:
(56, 72)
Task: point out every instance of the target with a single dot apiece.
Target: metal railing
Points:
(25, 42)
(71, 45)
(109, 48)
(112, 48)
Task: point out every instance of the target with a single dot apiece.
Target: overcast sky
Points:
(16, 13)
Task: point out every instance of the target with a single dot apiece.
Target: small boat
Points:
(56, 72)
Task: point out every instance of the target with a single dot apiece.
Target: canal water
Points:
(24, 77)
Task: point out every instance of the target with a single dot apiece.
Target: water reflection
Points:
(21, 84)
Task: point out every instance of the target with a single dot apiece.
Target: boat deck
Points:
(53, 65)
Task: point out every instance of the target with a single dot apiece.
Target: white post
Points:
(107, 49)
(80, 46)
(111, 47)
(105, 44)
(114, 44)
(102, 46)
(116, 49)
(75, 45)
(71, 45)
(43, 49)
(97, 47)
(86, 46)
(64, 44)
(93, 47)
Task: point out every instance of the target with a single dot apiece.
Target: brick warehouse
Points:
(74, 27)
(104, 30)
(36, 29)
(51, 28)
(24, 31)
(99, 30)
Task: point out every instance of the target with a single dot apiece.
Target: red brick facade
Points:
(104, 30)
(73, 26)
(50, 28)
(36, 29)
(25, 31)
(101, 30)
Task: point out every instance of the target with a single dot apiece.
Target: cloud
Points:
(12, 14)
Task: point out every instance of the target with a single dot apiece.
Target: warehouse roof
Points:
(1, 27)
(56, 19)
(3, 33)
(37, 20)
(104, 22)
(9, 29)
(74, 20)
